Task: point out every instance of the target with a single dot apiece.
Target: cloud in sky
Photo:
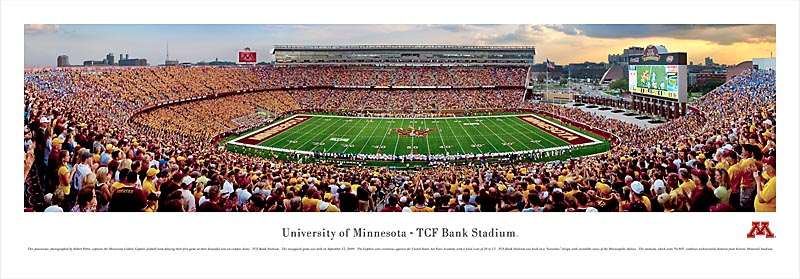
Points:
(564, 43)
(715, 33)
(41, 28)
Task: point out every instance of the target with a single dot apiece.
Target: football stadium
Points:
(393, 128)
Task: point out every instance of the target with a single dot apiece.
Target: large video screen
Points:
(656, 80)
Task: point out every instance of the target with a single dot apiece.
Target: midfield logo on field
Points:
(412, 132)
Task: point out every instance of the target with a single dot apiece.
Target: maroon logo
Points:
(247, 56)
(760, 228)
(412, 132)
(669, 59)
(650, 53)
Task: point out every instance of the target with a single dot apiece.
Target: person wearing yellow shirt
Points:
(747, 185)
(64, 173)
(147, 185)
(765, 193)
(117, 184)
(310, 201)
(419, 205)
(735, 173)
(328, 207)
(687, 186)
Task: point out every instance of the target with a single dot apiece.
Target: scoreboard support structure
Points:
(669, 109)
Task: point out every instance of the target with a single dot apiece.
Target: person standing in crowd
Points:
(419, 204)
(148, 185)
(531, 203)
(392, 206)
(752, 159)
(637, 195)
(54, 164)
(64, 173)
(703, 198)
(87, 200)
(765, 192)
(212, 204)
(188, 196)
(256, 203)
(363, 195)
(80, 171)
(723, 187)
(128, 198)
(55, 201)
(735, 172)
(348, 202)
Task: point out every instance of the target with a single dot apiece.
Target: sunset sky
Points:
(561, 43)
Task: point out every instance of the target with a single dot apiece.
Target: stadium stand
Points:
(721, 158)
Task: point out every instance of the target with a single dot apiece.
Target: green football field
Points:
(403, 136)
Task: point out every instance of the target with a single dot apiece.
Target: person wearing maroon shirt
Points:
(212, 205)
(128, 198)
(275, 201)
(703, 198)
(54, 162)
(392, 207)
(362, 193)
(348, 202)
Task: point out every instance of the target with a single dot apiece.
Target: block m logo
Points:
(760, 228)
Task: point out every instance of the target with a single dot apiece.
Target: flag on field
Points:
(550, 65)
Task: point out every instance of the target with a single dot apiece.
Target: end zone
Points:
(265, 133)
(558, 131)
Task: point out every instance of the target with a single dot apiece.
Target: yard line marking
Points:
(521, 133)
(292, 132)
(314, 135)
(428, 141)
(348, 132)
(329, 136)
(475, 144)
(370, 135)
(398, 139)
(442, 138)
(487, 139)
(538, 132)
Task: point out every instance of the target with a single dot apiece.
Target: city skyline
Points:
(563, 44)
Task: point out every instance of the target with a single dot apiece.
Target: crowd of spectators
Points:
(82, 156)
(395, 76)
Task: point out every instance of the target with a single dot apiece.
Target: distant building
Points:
(62, 61)
(706, 77)
(110, 59)
(622, 59)
(171, 63)
(133, 62)
(554, 73)
(587, 70)
(94, 63)
(709, 62)
(216, 62)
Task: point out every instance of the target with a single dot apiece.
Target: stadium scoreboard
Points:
(658, 73)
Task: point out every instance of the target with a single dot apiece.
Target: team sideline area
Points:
(273, 139)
